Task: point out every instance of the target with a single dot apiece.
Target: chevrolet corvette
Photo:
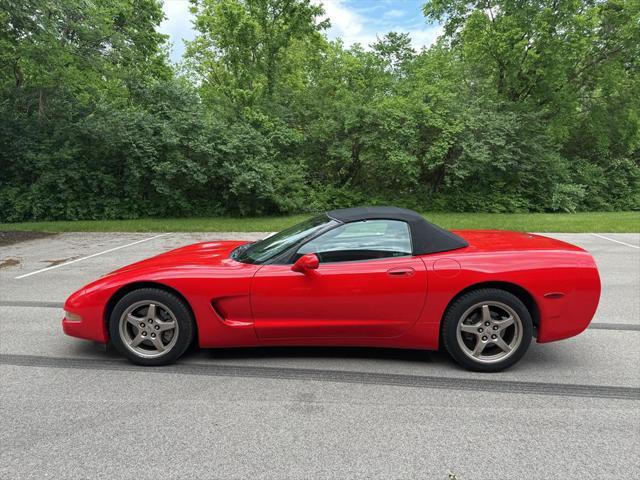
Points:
(367, 276)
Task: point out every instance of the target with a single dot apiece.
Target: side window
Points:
(365, 240)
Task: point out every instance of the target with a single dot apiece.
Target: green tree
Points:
(565, 63)
(519, 106)
(241, 48)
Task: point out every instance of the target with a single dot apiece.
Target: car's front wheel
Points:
(151, 326)
(487, 330)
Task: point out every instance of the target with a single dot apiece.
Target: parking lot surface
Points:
(569, 409)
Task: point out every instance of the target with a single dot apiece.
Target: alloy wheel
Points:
(148, 328)
(489, 332)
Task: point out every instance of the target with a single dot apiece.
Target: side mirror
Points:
(306, 262)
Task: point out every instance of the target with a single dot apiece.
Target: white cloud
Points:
(177, 25)
(424, 37)
(362, 25)
(394, 13)
(346, 23)
(353, 27)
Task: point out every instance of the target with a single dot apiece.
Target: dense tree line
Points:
(519, 106)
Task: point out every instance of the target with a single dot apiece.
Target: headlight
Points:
(72, 317)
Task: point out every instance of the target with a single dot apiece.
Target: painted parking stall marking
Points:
(616, 241)
(91, 256)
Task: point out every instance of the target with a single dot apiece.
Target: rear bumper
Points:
(577, 309)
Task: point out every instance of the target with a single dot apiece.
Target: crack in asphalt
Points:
(337, 376)
(594, 325)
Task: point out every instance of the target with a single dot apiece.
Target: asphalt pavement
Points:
(68, 409)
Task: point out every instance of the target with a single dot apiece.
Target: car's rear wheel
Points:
(487, 330)
(151, 326)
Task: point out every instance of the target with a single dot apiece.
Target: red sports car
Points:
(380, 276)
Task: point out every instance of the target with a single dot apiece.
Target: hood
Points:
(204, 254)
(503, 240)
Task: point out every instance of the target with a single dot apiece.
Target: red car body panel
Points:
(394, 302)
(374, 298)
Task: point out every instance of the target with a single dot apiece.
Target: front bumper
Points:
(83, 317)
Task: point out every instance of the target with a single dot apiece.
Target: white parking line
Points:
(616, 241)
(90, 256)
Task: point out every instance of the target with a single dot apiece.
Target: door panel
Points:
(375, 298)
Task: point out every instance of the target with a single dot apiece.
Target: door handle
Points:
(401, 272)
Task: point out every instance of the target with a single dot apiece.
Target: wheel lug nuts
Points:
(495, 327)
(153, 335)
(142, 325)
(144, 334)
(484, 338)
(157, 327)
(486, 324)
(480, 330)
(494, 336)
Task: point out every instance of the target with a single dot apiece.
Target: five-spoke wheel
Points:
(151, 326)
(487, 329)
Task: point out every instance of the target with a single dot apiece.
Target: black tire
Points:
(451, 338)
(164, 301)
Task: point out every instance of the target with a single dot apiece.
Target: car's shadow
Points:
(315, 357)
(195, 354)
(304, 352)
(538, 356)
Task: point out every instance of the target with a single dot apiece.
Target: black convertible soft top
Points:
(425, 237)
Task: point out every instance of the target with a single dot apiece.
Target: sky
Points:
(355, 21)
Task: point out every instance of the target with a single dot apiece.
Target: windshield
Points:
(260, 252)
